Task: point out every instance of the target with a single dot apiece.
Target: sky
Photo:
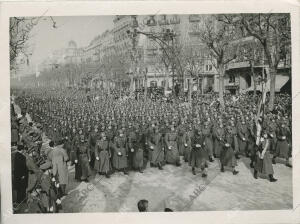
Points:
(81, 29)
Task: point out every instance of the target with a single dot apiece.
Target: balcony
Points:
(234, 65)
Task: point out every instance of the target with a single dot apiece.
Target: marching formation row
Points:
(110, 135)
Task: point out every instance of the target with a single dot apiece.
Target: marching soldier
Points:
(188, 144)
(208, 140)
(263, 162)
(172, 153)
(282, 147)
(227, 155)
(94, 135)
(102, 155)
(84, 158)
(242, 137)
(199, 155)
(120, 153)
(137, 145)
(156, 150)
(219, 138)
(181, 139)
(131, 140)
(272, 128)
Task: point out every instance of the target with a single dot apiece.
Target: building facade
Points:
(146, 61)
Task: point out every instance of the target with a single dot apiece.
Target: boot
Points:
(204, 175)
(140, 170)
(215, 156)
(125, 171)
(273, 160)
(206, 166)
(107, 175)
(272, 179)
(211, 159)
(255, 174)
(222, 169)
(193, 171)
(234, 172)
(288, 165)
(251, 164)
(237, 156)
(160, 166)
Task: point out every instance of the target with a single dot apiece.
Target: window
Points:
(208, 68)
(153, 84)
(231, 78)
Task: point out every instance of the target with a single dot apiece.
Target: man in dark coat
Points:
(120, 153)
(20, 174)
(227, 155)
(263, 162)
(282, 147)
(156, 150)
(94, 136)
(102, 155)
(199, 154)
(84, 157)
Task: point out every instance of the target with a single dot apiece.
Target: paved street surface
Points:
(177, 188)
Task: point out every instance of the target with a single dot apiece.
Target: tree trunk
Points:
(221, 84)
(273, 73)
(190, 90)
(145, 86)
(202, 85)
(254, 77)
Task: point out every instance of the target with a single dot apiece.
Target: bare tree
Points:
(250, 50)
(19, 34)
(218, 37)
(273, 31)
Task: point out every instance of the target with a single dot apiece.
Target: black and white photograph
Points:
(155, 112)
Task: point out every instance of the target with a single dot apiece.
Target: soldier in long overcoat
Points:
(59, 167)
(84, 158)
(188, 144)
(219, 138)
(172, 153)
(263, 163)
(94, 135)
(156, 150)
(207, 134)
(120, 153)
(199, 154)
(227, 155)
(272, 129)
(137, 145)
(282, 147)
(242, 137)
(181, 139)
(102, 154)
(131, 138)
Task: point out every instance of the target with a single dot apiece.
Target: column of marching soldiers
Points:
(109, 135)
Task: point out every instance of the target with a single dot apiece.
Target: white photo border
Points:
(80, 8)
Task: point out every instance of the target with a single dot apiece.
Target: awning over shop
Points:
(279, 83)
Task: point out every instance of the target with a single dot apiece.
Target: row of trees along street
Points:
(222, 38)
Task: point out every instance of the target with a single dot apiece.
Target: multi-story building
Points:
(150, 62)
